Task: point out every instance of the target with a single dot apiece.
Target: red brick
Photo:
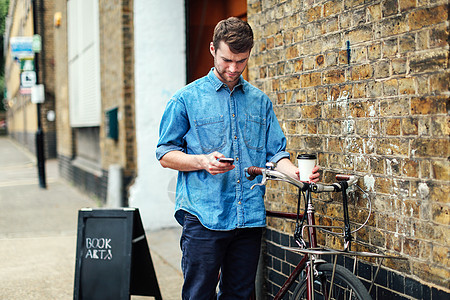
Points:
(310, 79)
(428, 61)
(375, 12)
(332, 7)
(334, 76)
(441, 170)
(298, 67)
(311, 111)
(362, 72)
(399, 66)
(393, 26)
(441, 213)
(407, 4)
(343, 57)
(438, 37)
(392, 126)
(320, 60)
(392, 146)
(426, 147)
(427, 16)
(382, 69)
(410, 126)
(406, 86)
(428, 105)
(292, 52)
(290, 83)
(314, 13)
(410, 168)
(390, 7)
(390, 87)
(397, 107)
(439, 82)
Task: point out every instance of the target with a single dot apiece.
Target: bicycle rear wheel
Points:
(345, 285)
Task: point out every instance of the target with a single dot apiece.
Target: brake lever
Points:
(263, 181)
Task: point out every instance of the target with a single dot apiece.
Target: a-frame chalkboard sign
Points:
(113, 260)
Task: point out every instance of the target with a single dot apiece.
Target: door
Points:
(202, 17)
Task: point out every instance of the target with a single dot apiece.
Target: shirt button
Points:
(238, 181)
(237, 158)
(239, 202)
(233, 115)
(235, 137)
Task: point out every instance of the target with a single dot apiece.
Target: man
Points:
(221, 115)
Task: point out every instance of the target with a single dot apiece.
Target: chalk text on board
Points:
(98, 248)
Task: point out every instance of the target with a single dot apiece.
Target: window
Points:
(84, 63)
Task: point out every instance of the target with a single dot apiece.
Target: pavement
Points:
(38, 232)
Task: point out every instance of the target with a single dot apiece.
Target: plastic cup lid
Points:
(306, 156)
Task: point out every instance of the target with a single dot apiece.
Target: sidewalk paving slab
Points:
(38, 231)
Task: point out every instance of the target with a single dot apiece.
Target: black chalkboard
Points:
(113, 260)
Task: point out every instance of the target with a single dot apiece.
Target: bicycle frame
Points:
(312, 252)
(308, 259)
(313, 244)
(300, 266)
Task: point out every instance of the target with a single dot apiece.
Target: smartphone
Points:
(226, 160)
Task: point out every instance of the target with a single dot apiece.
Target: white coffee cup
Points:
(306, 163)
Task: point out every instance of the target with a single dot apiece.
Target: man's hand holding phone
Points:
(227, 160)
(218, 163)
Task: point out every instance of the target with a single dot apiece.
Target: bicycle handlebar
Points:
(254, 171)
(344, 182)
(271, 174)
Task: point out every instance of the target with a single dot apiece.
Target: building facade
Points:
(95, 96)
(22, 114)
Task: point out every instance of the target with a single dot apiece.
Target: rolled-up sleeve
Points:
(173, 128)
(276, 140)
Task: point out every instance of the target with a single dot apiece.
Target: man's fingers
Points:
(314, 177)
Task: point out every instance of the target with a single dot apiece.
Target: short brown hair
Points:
(236, 33)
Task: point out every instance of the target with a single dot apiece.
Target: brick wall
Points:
(364, 84)
(94, 185)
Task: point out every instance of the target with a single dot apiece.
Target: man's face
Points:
(228, 66)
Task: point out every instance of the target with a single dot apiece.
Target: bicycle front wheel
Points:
(345, 285)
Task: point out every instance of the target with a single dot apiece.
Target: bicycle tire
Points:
(344, 282)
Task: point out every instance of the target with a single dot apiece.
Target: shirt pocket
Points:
(255, 132)
(211, 133)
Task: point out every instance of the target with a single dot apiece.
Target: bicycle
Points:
(320, 280)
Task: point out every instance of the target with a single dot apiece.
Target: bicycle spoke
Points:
(333, 282)
(376, 274)
(332, 277)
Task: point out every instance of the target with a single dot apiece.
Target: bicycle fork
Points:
(313, 273)
(310, 270)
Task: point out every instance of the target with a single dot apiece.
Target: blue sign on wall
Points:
(22, 46)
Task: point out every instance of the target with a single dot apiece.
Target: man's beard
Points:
(223, 74)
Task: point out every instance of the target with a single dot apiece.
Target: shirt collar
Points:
(219, 84)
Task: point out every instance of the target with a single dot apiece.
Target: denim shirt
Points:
(205, 116)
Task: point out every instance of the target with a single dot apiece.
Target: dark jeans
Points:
(235, 253)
